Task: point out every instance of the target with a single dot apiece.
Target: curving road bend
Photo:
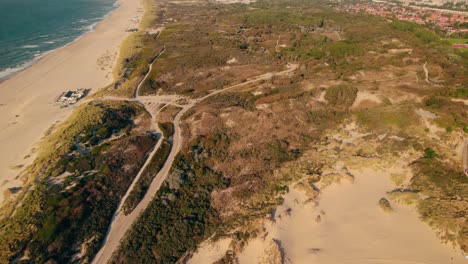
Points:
(121, 223)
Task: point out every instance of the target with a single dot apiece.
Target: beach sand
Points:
(26, 99)
(352, 228)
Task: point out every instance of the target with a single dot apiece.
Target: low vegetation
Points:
(147, 177)
(384, 204)
(237, 140)
(241, 148)
(445, 207)
(180, 216)
(69, 209)
(167, 129)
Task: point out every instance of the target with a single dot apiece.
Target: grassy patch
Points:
(456, 40)
(398, 179)
(444, 208)
(341, 96)
(393, 117)
(450, 114)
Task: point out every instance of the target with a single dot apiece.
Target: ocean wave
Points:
(8, 72)
(30, 46)
(67, 39)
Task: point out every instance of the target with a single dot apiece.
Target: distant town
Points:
(71, 97)
(448, 20)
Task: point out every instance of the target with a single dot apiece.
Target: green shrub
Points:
(426, 36)
(103, 133)
(403, 25)
(316, 53)
(341, 49)
(429, 153)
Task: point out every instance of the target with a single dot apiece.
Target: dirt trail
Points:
(137, 90)
(277, 43)
(465, 157)
(121, 223)
(426, 72)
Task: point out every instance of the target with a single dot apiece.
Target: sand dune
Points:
(346, 226)
(26, 109)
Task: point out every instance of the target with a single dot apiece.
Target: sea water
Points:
(31, 28)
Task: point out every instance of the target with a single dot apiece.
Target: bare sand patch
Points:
(366, 99)
(465, 101)
(209, 252)
(352, 227)
(434, 131)
(398, 51)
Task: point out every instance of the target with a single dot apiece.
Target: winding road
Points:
(120, 222)
(150, 68)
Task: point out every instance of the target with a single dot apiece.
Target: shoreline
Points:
(27, 64)
(26, 97)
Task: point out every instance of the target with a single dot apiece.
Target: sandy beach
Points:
(26, 99)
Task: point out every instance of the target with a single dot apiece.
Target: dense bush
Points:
(180, 216)
(426, 36)
(147, 177)
(167, 129)
(403, 25)
(64, 213)
(341, 49)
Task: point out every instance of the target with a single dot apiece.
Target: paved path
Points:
(121, 223)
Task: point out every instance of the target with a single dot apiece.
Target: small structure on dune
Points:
(71, 97)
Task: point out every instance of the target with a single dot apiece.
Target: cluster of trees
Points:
(113, 119)
(167, 129)
(181, 215)
(461, 92)
(423, 34)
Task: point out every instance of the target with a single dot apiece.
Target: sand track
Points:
(121, 223)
